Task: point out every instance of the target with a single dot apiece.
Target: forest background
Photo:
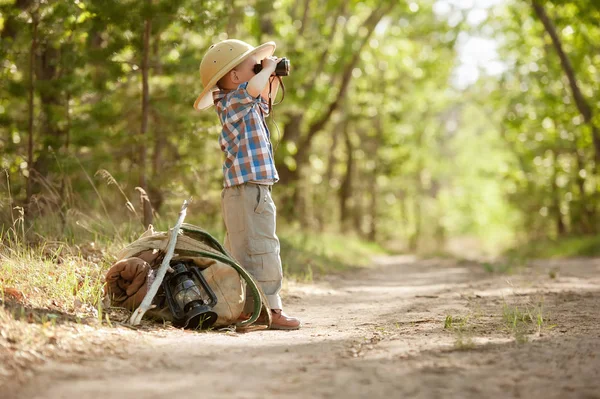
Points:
(389, 132)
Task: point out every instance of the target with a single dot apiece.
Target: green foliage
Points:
(564, 247)
(552, 178)
(308, 255)
(375, 138)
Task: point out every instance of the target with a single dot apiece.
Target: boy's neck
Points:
(230, 87)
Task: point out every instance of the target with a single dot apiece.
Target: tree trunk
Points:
(235, 17)
(304, 143)
(301, 157)
(144, 128)
(310, 83)
(291, 133)
(415, 238)
(63, 183)
(161, 143)
(373, 207)
(346, 187)
(582, 105)
(404, 218)
(304, 17)
(332, 159)
(11, 24)
(263, 19)
(413, 242)
(156, 64)
(560, 225)
(34, 17)
(357, 197)
(584, 220)
(52, 108)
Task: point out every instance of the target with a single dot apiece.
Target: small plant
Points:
(516, 322)
(308, 277)
(100, 310)
(520, 321)
(507, 267)
(488, 267)
(462, 331)
(448, 322)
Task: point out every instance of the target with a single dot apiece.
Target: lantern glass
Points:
(189, 297)
(186, 292)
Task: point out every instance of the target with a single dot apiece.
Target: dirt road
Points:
(404, 328)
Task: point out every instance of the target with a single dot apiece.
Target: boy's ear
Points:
(233, 75)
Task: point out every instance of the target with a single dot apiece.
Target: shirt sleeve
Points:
(239, 103)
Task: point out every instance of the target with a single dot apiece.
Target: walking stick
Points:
(146, 304)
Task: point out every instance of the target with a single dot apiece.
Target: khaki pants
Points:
(249, 214)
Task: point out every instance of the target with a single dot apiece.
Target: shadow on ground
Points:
(381, 332)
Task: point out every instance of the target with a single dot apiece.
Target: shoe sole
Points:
(284, 328)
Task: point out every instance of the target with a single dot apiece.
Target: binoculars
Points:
(282, 68)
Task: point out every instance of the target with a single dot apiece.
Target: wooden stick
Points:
(146, 304)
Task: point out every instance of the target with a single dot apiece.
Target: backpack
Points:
(129, 278)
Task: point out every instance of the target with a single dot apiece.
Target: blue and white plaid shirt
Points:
(245, 138)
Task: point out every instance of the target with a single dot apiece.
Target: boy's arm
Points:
(260, 81)
(274, 84)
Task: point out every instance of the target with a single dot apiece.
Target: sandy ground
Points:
(382, 332)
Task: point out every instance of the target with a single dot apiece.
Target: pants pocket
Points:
(262, 214)
(264, 262)
(261, 199)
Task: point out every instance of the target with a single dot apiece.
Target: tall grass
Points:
(56, 258)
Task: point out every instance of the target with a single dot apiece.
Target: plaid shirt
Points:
(245, 138)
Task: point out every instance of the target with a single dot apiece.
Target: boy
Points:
(249, 169)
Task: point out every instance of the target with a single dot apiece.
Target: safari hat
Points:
(221, 58)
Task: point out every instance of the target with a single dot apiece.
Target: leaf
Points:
(14, 294)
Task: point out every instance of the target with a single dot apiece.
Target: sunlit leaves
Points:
(543, 126)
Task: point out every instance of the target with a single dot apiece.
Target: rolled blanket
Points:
(127, 282)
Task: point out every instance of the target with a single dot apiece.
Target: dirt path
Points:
(375, 333)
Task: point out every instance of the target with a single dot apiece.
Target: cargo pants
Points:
(249, 214)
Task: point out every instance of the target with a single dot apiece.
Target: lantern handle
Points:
(146, 304)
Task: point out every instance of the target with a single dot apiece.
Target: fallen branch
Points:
(146, 304)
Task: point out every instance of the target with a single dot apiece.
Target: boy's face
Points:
(244, 71)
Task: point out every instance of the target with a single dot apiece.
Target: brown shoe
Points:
(281, 321)
(243, 317)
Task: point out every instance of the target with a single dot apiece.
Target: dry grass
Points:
(52, 267)
(47, 279)
(50, 301)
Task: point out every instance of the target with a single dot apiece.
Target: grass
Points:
(462, 330)
(523, 320)
(564, 247)
(47, 279)
(68, 275)
(52, 265)
(306, 256)
(508, 265)
(520, 321)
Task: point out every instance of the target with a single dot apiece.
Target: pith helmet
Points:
(221, 58)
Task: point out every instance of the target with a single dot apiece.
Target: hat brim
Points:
(205, 99)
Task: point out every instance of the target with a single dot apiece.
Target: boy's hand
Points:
(270, 63)
(259, 82)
